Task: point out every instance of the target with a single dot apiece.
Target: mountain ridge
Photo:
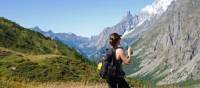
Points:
(168, 51)
(129, 27)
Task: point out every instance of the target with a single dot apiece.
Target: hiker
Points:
(112, 66)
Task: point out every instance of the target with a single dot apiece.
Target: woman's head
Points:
(114, 39)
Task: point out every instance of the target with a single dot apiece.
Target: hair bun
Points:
(114, 39)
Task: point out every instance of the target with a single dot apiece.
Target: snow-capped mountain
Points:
(168, 53)
(92, 47)
(146, 17)
(156, 9)
(129, 26)
(124, 25)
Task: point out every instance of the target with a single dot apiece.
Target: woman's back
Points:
(119, 54)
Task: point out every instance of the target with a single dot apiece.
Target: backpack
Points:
(109, 67)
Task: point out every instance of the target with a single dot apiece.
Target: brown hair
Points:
(114, 39)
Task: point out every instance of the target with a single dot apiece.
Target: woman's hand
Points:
(130, 51)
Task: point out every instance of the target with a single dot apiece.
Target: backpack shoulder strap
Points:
(108, 54)
(111, 55)
(114, 56)
(119, 48)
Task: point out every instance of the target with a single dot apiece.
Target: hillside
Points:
(168, 52)
(17, 38)
(26, 55)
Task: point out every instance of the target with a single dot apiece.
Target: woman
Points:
(119, 81)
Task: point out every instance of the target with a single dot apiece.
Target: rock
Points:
(173, 42)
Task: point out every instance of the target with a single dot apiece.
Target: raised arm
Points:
(125, 58)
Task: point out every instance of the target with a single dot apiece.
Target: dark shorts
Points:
(117, 82)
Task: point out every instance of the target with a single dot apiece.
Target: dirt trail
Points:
(72, 85)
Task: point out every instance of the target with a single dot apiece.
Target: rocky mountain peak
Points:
(37, 28)
(50, 31)
(128, 15)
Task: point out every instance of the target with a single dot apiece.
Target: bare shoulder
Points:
(120, 51)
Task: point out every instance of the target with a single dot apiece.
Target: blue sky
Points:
(82, 17)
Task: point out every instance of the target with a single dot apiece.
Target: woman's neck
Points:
(114, 47)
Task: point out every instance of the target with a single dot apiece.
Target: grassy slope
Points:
(27, 55)
(49, 67)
